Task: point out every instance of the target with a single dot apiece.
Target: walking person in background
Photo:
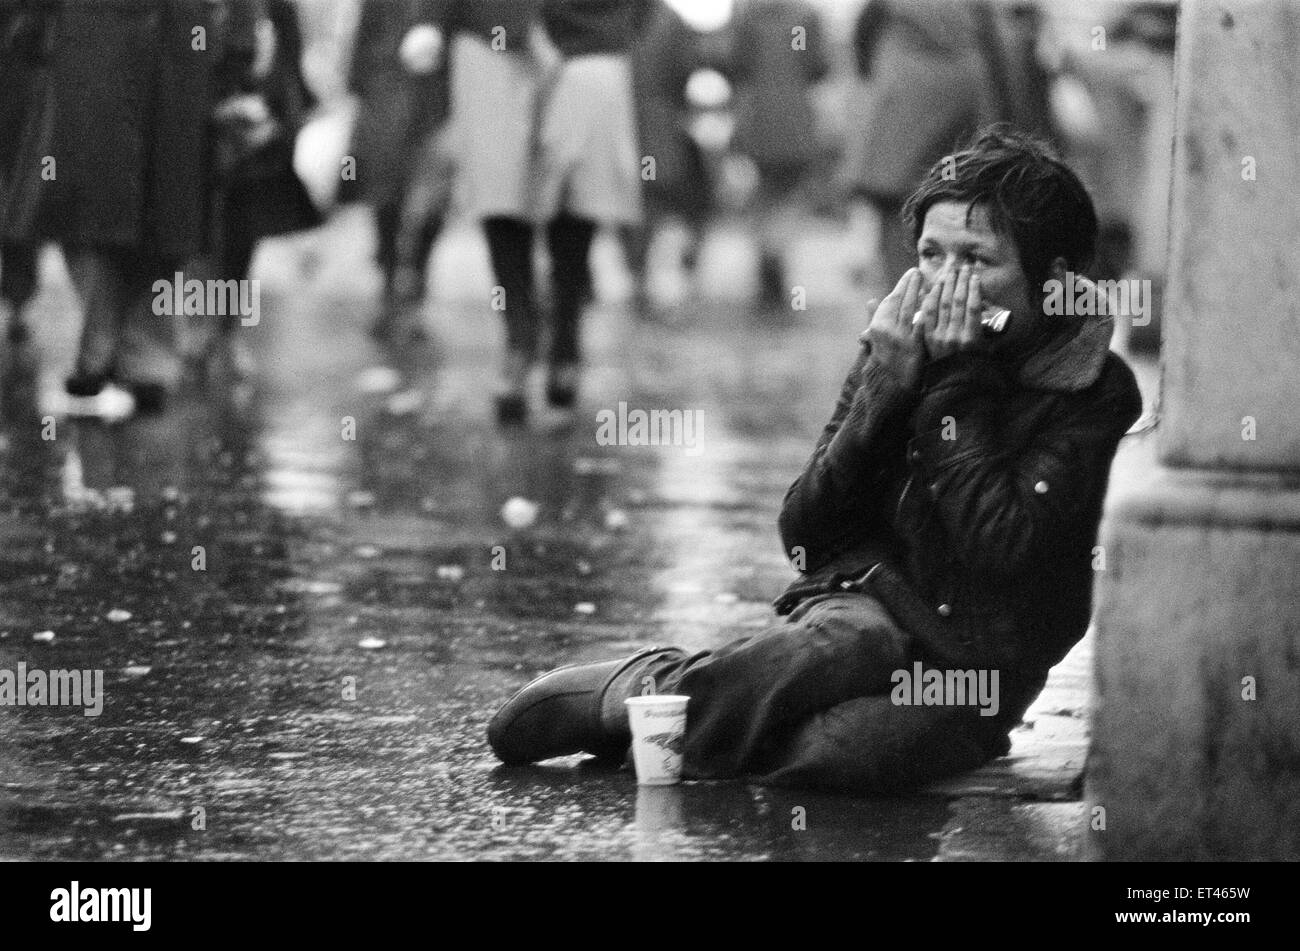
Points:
(23, 36)
(260, 194)
(936, 73)
(664, 58)
(778, 55)
(117, 170)
(500, 59)
(575, 166)
(399, 73)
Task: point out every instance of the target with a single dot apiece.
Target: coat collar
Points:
(1070, 363)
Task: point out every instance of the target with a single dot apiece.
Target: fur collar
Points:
(1070, 363)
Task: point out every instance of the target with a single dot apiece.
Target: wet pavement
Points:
(320, 689)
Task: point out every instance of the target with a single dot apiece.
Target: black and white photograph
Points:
(650, 431)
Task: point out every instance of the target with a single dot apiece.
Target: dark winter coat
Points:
(590, 27)
(972, 505)
(665, 55)
(775, 119)
(263, 195)
(21, 35)
(123, 110)
(934, 81)
(396, 110)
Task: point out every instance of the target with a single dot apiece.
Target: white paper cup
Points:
(658, 734)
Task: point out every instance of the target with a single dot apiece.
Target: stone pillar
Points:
(1199, 610)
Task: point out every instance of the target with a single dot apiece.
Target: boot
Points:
(771, 282)
(512, 389)
(562, 384)
(576, 709)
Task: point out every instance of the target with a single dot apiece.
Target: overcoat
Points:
(115, 142)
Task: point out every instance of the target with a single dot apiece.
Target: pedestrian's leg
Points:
(636, 239)
(774, 226)
(510, 242)
(388, 221)
(569, 241)
(426, 236)
(227, 355)
(99, 277)
(149, 362)
(17, 284)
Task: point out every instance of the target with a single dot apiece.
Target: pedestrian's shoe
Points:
(512, 390)
(84, 382)
(771, 281)
(150, 398)
(576, 709)
(512, 409)
(562, 385)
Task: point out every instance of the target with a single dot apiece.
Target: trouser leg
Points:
(100, 280)
(873, 745)
(388, 222)
(809, 703)
(569, 242)
(17, 273)
(149, 351)
(510, 243)
(749, 694)
(426, 234)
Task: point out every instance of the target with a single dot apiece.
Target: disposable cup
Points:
(658, 735)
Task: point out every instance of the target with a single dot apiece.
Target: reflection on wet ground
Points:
(303, 635)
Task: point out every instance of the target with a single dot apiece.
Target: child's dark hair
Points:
(1028, 192)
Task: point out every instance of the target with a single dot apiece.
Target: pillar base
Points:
(1201, 590)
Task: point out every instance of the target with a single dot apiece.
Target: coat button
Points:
(1040, 487)
(945, 610)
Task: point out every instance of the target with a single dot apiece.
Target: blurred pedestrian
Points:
(676, 185)
(399, 74)
(1028, 82)
(937, 71)
(23, 37)
(501, 57)
(778, 55)
(117, 169)
(546, 136)
(1130, 157)
(260, 194)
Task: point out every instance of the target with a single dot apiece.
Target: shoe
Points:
(84, 383)
(562, 385)
(150, 398)
(771, 282)
(576, 709)
(512, 389)
(512, 409)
